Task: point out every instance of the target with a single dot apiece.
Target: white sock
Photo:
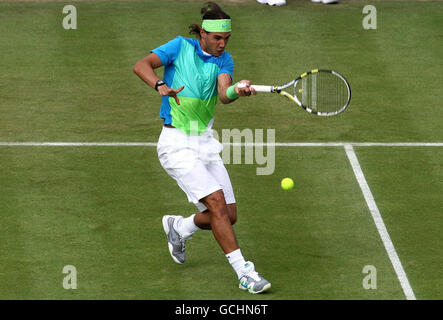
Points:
(237, 261)
(186, 226)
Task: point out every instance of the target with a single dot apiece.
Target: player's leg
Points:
(223, 232)
(249, 279)
(197, 183)
(219, 221)
(202, 220)
(218, 170)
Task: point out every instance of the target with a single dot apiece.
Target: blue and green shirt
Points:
(187, 65)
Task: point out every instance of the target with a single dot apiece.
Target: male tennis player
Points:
(197, 73)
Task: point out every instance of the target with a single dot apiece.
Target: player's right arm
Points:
(144, 68)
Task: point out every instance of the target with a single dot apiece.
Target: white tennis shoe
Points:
(273, 2)
(251, 280)
(176, 243)
(326, 1)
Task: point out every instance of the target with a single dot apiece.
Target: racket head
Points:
(322, 92)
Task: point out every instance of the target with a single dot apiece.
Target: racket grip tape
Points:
(260, 88)
(257, 88)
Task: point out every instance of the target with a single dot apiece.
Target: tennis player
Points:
(198, 72)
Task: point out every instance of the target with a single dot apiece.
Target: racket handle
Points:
(257, 88)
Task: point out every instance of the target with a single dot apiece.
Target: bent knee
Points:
(215, 200)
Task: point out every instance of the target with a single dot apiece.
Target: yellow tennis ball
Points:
(287, 184)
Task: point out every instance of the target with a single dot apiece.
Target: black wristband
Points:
(158, 84)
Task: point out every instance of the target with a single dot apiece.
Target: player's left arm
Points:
(224, 82)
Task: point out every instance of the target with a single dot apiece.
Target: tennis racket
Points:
(321, 92)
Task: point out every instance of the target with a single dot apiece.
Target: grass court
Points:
(99, 207)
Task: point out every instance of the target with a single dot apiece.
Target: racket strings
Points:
(322, 92)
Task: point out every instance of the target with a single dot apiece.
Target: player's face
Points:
(214, 42)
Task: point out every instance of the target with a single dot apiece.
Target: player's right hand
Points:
(243, 88)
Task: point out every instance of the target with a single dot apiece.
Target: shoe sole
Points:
(266, 287)
(166, 228)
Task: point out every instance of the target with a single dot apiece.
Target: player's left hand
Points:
(166, 91)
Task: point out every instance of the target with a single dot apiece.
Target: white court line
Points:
(79, 144)
(376, 216)
(276, 144)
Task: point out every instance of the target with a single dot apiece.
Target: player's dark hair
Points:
(210, 11)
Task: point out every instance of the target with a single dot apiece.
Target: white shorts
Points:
(195, 163)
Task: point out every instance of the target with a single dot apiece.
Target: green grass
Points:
(100, 208)
(407, 185)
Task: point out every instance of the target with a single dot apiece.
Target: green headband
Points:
(219, 25)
